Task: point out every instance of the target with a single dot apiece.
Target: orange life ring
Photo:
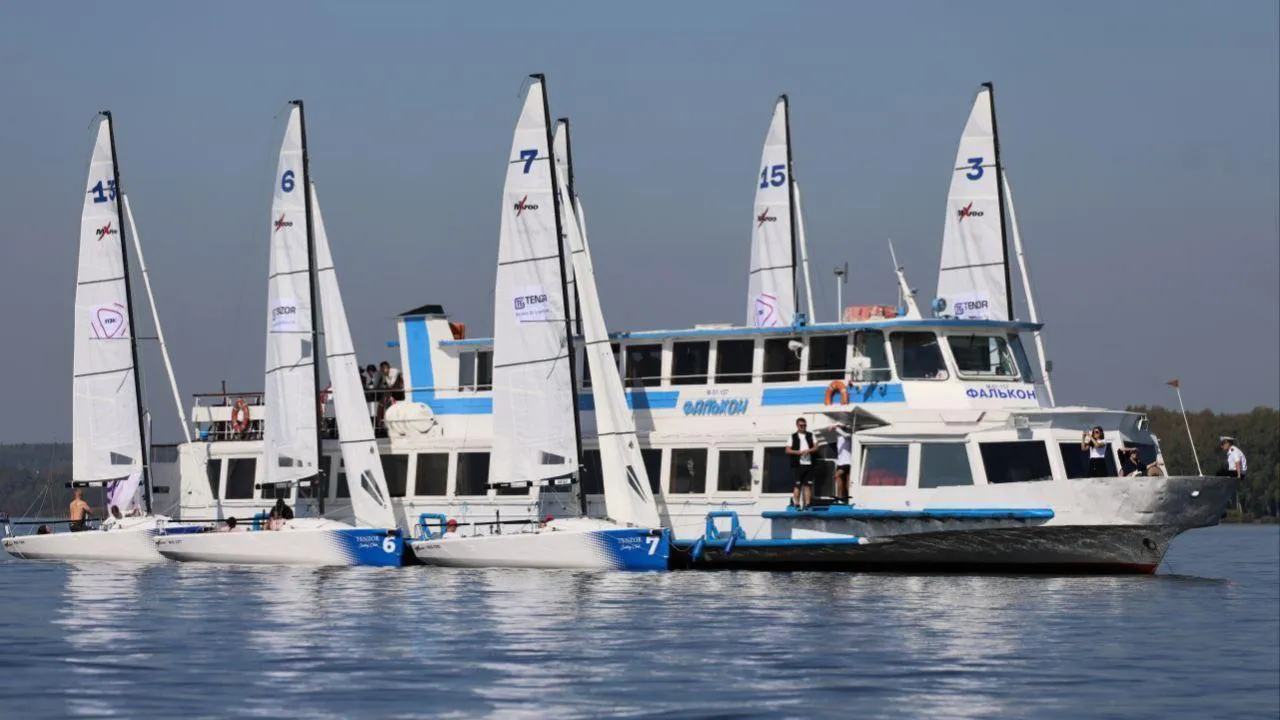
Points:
(240, 416)
(837, 386)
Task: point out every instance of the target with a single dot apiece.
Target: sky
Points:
(1141, 140)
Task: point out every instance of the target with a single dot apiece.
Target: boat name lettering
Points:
(711, 406)
(991, 391)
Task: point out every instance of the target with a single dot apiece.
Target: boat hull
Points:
(597, 548)
(332, 544)
(132, 543)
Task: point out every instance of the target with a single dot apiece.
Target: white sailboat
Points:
(107, 446)
(291, 442)
(537, 435)
(771, 285)
(973, 278)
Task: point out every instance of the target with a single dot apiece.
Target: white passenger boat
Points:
(107, 448)
(960, 459)
(537, 430)
(291, 447)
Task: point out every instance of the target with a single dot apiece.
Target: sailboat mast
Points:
(573, 205)
(1004, 234)
(322, 488)
(564, 283)
(791, 201)
(133, 329)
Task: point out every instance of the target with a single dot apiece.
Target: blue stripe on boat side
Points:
(419, 351)
(816, 394)
(483, 405)
(857, 513)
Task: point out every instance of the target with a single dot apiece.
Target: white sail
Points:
(971, 279)
(560, 152)
(627, 496)
(533, 428)
(289, 438)
(370, 500)
(106, 441)
(804, 253)
(771, 291)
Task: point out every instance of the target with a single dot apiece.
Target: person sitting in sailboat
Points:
(80, 512)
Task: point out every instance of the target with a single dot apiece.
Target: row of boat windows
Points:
(863, 356)
(691, 471)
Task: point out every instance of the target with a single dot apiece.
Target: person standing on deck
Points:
(801, 451)
(1095, 441)
(79, 512)
(844, 460)
(1237, 465)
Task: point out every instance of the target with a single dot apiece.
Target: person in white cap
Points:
(1237, 465)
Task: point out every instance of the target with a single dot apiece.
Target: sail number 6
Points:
(286, 181)
(775, 176)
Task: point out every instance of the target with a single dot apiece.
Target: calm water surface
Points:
(1199, 640)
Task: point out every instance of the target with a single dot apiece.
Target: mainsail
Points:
(628, 498)
(535, 437)
(370, 500)
(290, 445)
(107, 437)
(973, 279)
(771, 287)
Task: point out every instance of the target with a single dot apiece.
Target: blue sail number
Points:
(775, 176)
(102, 193)
(975, 168)
(286, 181)
(528, 156)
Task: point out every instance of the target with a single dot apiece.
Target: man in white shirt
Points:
(844, 459)
(801, 451)
(1237, 465)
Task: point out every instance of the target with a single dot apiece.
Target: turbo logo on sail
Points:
(282, 223)
(968, 211)
(105, 230)
(523, 205)
(765, 217)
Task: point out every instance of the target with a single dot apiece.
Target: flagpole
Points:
(1177, 387)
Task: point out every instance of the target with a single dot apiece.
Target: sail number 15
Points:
(775, 176)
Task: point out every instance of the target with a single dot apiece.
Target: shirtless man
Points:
(79, 512)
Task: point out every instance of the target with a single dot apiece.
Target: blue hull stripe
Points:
(483, 405)
(857, 513)
(816, 395)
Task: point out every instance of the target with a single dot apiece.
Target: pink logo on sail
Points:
(108, 322)
(766, 310)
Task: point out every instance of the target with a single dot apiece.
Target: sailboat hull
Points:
(598, 546)
(325, 544)
(132, 542)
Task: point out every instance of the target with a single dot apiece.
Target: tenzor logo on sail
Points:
(531, 304)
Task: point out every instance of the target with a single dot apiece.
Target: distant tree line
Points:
(1258, 435)
(33, 477)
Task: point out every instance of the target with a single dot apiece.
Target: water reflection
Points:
(99, 618)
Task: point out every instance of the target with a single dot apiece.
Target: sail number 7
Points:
(528, 156)
(775, 176)
(103, 193)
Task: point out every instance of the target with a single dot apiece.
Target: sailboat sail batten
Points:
(106, 441)
(627, 494)
(534, 437)
(289, 430)
(972, 277)
(771, 284)
(370, 499)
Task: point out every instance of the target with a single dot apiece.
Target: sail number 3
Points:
(975, 168)
(775, 176)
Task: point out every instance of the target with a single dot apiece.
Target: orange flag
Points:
(1173, 383)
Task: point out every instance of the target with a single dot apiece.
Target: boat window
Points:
(776, 471)
(944, 465)
(475, 370)
(164, 453)
(592, 476)
(917, 356)
(653, 466)
(1019, 461)
(511, 490)
(1020, 357)
(781, 363)
(827, 357)
(466, 370)
(644, 365)
(396, 469)
(1075, 460)
(734, 359)
(689, 362)
(688, 471)
(240, 473)
(884, 465)
(871, 362)
(982, 356)
(213, 470)
(734, 471)
(586, 366)
(484, 370)
(473, 474)
(432, 474)
(1148, 453)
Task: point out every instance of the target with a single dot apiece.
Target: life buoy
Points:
(837, 386)
(240, 416)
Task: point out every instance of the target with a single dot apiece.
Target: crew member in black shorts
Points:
(801, 451)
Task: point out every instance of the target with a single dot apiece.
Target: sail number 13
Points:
(775, 176)
(103, 192)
